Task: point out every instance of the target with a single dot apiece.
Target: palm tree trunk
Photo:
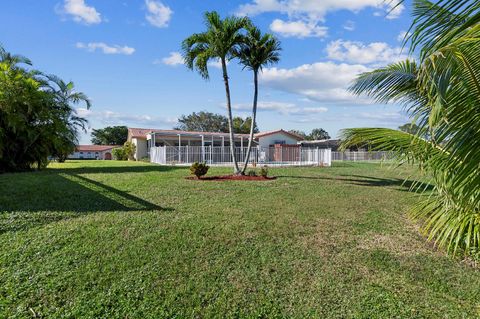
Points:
(254, 117)
(236, 170)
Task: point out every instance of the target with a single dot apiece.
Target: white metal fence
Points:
(217, 155)
(361, 156)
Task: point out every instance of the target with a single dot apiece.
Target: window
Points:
(81, 153)
(279, 142)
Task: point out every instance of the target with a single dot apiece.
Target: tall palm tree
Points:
(257, 51)
(442, 94)
(221, 41)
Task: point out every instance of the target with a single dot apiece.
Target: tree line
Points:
(37, 118)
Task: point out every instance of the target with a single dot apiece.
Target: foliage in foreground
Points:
(442, 95)
(37, 119)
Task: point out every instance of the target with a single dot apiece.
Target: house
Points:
(144, 139)
(103, 152)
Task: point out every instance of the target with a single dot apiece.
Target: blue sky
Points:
(124, 56)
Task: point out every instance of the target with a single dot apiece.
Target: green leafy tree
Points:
(243, 125)
(211, 122)
(110, 135)
(203, 122)
(257, 51)
(441, 92)
(221, 41)
(318, 134)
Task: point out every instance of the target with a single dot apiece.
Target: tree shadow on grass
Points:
(30, 200)
(360, 180)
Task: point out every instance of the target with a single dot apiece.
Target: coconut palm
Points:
(221, 41)
(257, 51)
(441, 93)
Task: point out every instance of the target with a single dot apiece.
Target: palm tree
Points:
(65, 97)
(13, 59)
(221, 42)
(441, 93)
(257, 51)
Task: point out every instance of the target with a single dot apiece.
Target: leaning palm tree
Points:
(221, 42)
(257, 51)
(442, 94)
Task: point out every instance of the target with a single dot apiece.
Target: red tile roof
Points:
(295, 136)
(94, 148)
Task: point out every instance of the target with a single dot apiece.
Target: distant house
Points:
(332, 144)
(102, 152)
(144, 139)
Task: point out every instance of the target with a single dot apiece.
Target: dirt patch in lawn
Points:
(231, 178)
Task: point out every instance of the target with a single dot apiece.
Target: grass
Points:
(105, 239)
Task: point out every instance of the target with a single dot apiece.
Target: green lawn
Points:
(103, 239)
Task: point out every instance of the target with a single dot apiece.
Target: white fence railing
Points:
(362, 156)
(217, 155)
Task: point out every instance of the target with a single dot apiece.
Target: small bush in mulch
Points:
(199, 169)
(264, 171)
(251, 173)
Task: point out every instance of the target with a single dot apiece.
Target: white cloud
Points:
(174, 59)
(382, 117)
(395, 10)
(298, 29)
(158, 15)
(322, 81)
(315, 10)
(349, 25)
(358, 52)
(116, 118)
(81, 12)
(105, 48)
(283, 108)
(216, 63)
(402, 36)
(314, 110)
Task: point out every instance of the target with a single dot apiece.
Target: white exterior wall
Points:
(89, 155)
(268, 140)
(141, 150)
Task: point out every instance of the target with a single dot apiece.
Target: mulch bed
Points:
(232, 178)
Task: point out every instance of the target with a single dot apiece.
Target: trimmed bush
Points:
(119, 154)
(252, 173)
(199, 169)
(264, 171)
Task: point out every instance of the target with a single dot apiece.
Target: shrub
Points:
(129, 149)
(252, 173)
(119, 154)
(199, 169)
(264, 171)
